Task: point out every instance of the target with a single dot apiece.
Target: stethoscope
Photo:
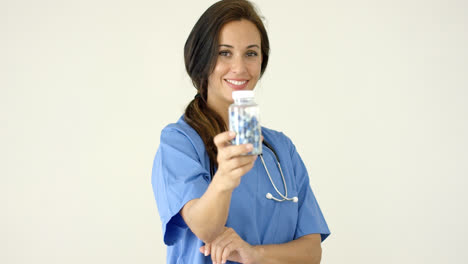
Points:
(269, 195)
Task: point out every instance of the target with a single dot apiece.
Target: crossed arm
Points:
(223, 243)
(229, 246)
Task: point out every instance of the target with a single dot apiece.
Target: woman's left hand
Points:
(229, 246)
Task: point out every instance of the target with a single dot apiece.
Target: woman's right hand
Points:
(231, 164)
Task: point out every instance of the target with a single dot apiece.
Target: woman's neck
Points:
(221, 110)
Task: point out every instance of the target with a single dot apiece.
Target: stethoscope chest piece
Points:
(269, 196)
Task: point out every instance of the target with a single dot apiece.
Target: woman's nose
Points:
(238, 65)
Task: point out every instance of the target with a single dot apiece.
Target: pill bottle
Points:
(244, 120)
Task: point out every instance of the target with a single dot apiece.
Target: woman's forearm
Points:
(306, 249)
(207, 216)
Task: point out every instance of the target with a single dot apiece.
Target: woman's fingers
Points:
(233, 151)
(242, 170)
(233, 161)
(227, 251)
(239, 162)
(230, 246)
(215, 248)
(220, 243)
(218, 257)
(207, 250)
(228, 151)
(223, 139)
(237, 150)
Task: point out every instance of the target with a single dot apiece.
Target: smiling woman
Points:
(212, 43)
(238, 64)
(209, 215)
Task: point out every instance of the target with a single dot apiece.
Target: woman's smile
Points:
(237, 84)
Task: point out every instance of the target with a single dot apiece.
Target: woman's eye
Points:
(252, 54)
(224, 53)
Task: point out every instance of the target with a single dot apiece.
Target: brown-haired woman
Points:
(214, 202)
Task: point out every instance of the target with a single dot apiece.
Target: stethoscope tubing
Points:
(269, 195)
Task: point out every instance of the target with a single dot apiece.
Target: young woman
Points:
(216, 204)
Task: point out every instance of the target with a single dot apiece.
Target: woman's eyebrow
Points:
(253, 46)
(249, 47)
(225, 45)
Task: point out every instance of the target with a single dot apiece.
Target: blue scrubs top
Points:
(181, 172)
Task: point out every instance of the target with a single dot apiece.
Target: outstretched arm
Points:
(207, 216)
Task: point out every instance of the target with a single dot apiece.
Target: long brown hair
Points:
(201, 52)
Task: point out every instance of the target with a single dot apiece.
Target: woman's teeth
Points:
(236, 82)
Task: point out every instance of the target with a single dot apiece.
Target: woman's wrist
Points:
(259, 254)
(221, 186)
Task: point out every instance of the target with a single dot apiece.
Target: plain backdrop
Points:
(372, 93)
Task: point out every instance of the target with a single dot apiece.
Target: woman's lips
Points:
(236, 84)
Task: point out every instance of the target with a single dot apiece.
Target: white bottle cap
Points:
(242, 94)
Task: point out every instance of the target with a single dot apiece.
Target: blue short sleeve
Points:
(177, 177)
(310, 217)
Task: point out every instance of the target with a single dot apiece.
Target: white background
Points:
(373, 94)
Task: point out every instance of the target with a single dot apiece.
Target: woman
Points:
(211, 198)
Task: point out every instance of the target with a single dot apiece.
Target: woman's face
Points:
(238, 64)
